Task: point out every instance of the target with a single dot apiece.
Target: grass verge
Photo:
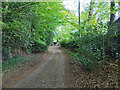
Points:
(9, 65)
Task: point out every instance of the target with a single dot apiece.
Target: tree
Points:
(79, 16)
(119, 9)
(29, 26)
(112, 12)
(91, 10)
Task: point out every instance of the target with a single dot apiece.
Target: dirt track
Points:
(50, 74)
(56, 69)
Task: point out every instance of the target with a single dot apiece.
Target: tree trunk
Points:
(112, 12)
(119, 9)
(79, 16)
(91, 11)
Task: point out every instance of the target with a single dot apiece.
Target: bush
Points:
(6, 54)
(9, 64)
(72, 44)
(113, 40)
(90, 52)
(38, 47)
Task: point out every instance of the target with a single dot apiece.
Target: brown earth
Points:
(56, 69)
(44, 70)
(23, 69)
(106, 76)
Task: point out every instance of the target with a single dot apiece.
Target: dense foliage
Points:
(98, 40)
(29, 26)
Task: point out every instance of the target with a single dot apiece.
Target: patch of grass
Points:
(10, 64)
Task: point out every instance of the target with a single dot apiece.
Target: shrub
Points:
(38, 47)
